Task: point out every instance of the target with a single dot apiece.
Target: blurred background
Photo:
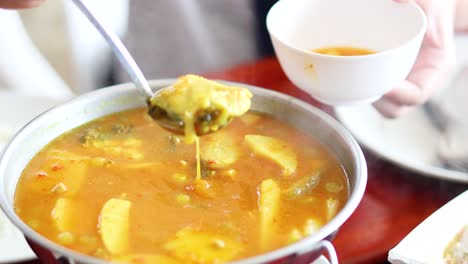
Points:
(53, 50)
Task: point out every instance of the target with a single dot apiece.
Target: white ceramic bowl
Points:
(393, 30)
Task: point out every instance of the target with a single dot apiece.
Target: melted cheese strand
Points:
(197, 145)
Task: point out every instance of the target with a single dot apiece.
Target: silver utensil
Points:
(170, 122)
(438, 117)
(441, 121)
(122, 54)
(453, 124)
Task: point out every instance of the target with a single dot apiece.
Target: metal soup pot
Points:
(85, 108)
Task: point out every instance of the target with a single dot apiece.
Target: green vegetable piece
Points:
(302, 186)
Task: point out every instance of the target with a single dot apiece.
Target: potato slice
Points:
(60, 154)
(74, 174)
(269, 207)
(275, 150)
(128, 148)
(114, 224)
(311, 226)
(332, 206)
(144, 259)
(63, 214)
(202, 247)
(219, 151)
(68, 217)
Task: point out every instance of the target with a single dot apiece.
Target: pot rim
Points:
(299, 247)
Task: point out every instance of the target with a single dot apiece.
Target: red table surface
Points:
(395, 201)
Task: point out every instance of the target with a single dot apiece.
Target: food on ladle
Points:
(196, 106)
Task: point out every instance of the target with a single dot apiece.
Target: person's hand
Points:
(19, 4)
(435, 59)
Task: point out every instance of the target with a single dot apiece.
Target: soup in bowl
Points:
(96, 180)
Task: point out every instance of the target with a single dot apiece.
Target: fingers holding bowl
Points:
(433, 64)
(20, 4)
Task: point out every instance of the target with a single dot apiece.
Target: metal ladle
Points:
(169, 122)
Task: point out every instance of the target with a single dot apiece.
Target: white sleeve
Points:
(22, 66)
(91, 55)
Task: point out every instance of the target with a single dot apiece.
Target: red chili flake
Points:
(211, 162)
(57, 167)
(41, 174)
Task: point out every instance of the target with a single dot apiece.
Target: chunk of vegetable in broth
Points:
(310, 227)
(115, 140)
(60, 154)
(74, 174)
(63, 214)
(302, 187)
(305, 185)
(128, 148)
(274, 149)
(102, 133)
(114, 225)
(334, 187)
(202, 247)
(269, 209)
(332, 207)
(219, 150)
(202, 105)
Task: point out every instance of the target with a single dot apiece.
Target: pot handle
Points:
(330, 249)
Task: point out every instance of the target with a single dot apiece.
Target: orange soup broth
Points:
(344, 51)
(230, 208)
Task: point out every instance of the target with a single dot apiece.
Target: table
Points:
(395, 200)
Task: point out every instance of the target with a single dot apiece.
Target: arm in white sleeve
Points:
(22, 66)
(461, 16)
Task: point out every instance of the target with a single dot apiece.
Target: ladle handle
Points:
(119, 50)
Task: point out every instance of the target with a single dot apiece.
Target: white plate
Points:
(15, 111)
(409, 141)
(427, 242)
(13, 245)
